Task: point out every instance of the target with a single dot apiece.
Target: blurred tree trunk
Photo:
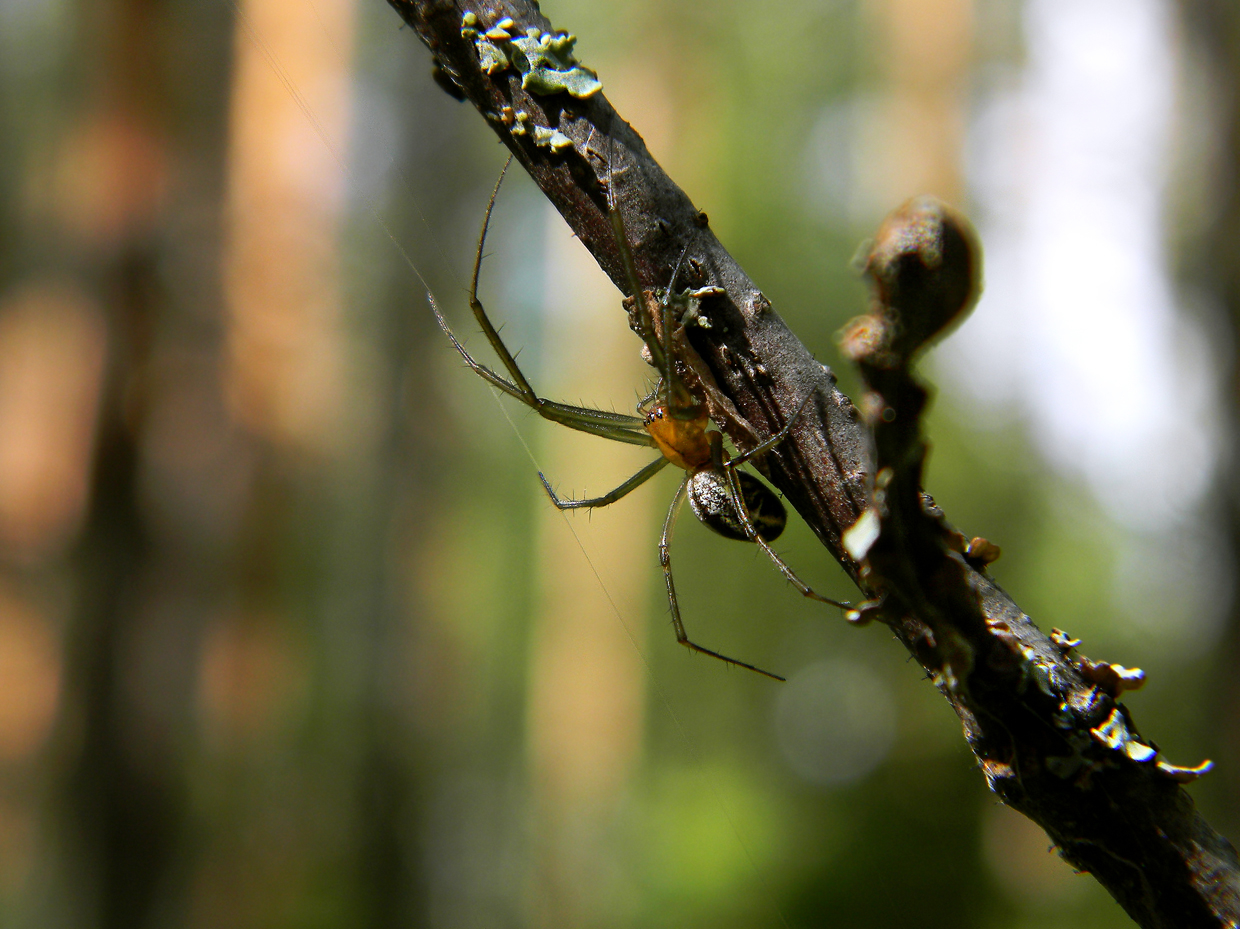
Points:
(129, 648)
(1212, 265)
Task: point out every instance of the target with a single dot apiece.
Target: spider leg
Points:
(742, 511)
(607, 499)
(738, 501)
(616, 426)
(657, 355)
(774, 440)
(524, 390)
(665, 560)
(679, 402)
(645, 401)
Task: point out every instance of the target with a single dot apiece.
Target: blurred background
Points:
(289, 635)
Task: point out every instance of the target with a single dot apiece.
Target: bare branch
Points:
(1043, 721)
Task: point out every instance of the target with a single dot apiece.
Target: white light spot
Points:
(1078, 323)
(835, 721)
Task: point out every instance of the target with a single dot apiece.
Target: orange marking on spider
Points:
(728, 501)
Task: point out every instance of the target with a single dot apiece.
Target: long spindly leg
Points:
(607, 499)
(680, 403)
(738, 501)
(742, 511)
(523, 389)
(657, 356)
(675, 395)
(665, 559)
(768, 444)
(510, 362)
(609, 425)
(616, 426)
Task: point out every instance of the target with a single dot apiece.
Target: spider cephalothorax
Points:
(692, 445)
(683, 442)
(729, 501)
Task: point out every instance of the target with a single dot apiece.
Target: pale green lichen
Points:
(553, 139)
(490, 56)
(687, 304)
(692, 314)
(1184, 775)
(547, 66)
(1114, 734)
(544, 60)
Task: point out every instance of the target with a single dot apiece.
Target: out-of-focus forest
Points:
(289, 633)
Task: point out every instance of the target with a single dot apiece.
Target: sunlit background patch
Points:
(289, 634)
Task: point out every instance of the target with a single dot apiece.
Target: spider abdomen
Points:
(711, 502)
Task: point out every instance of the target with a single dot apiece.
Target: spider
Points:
(729, 501)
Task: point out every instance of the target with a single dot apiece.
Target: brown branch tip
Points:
(1043, 720)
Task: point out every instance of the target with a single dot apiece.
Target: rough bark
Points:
(1043, 720)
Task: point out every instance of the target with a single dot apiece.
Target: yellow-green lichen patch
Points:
(544, 60)
(553, 139)
(520, 123)
(1114, 734)
(490, 56)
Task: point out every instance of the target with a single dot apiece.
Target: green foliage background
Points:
(394, 779)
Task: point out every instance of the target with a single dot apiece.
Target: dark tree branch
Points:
(1043, 721)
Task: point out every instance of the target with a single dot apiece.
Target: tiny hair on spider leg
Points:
(671, 419)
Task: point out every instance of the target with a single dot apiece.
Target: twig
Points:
(1043, 720)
